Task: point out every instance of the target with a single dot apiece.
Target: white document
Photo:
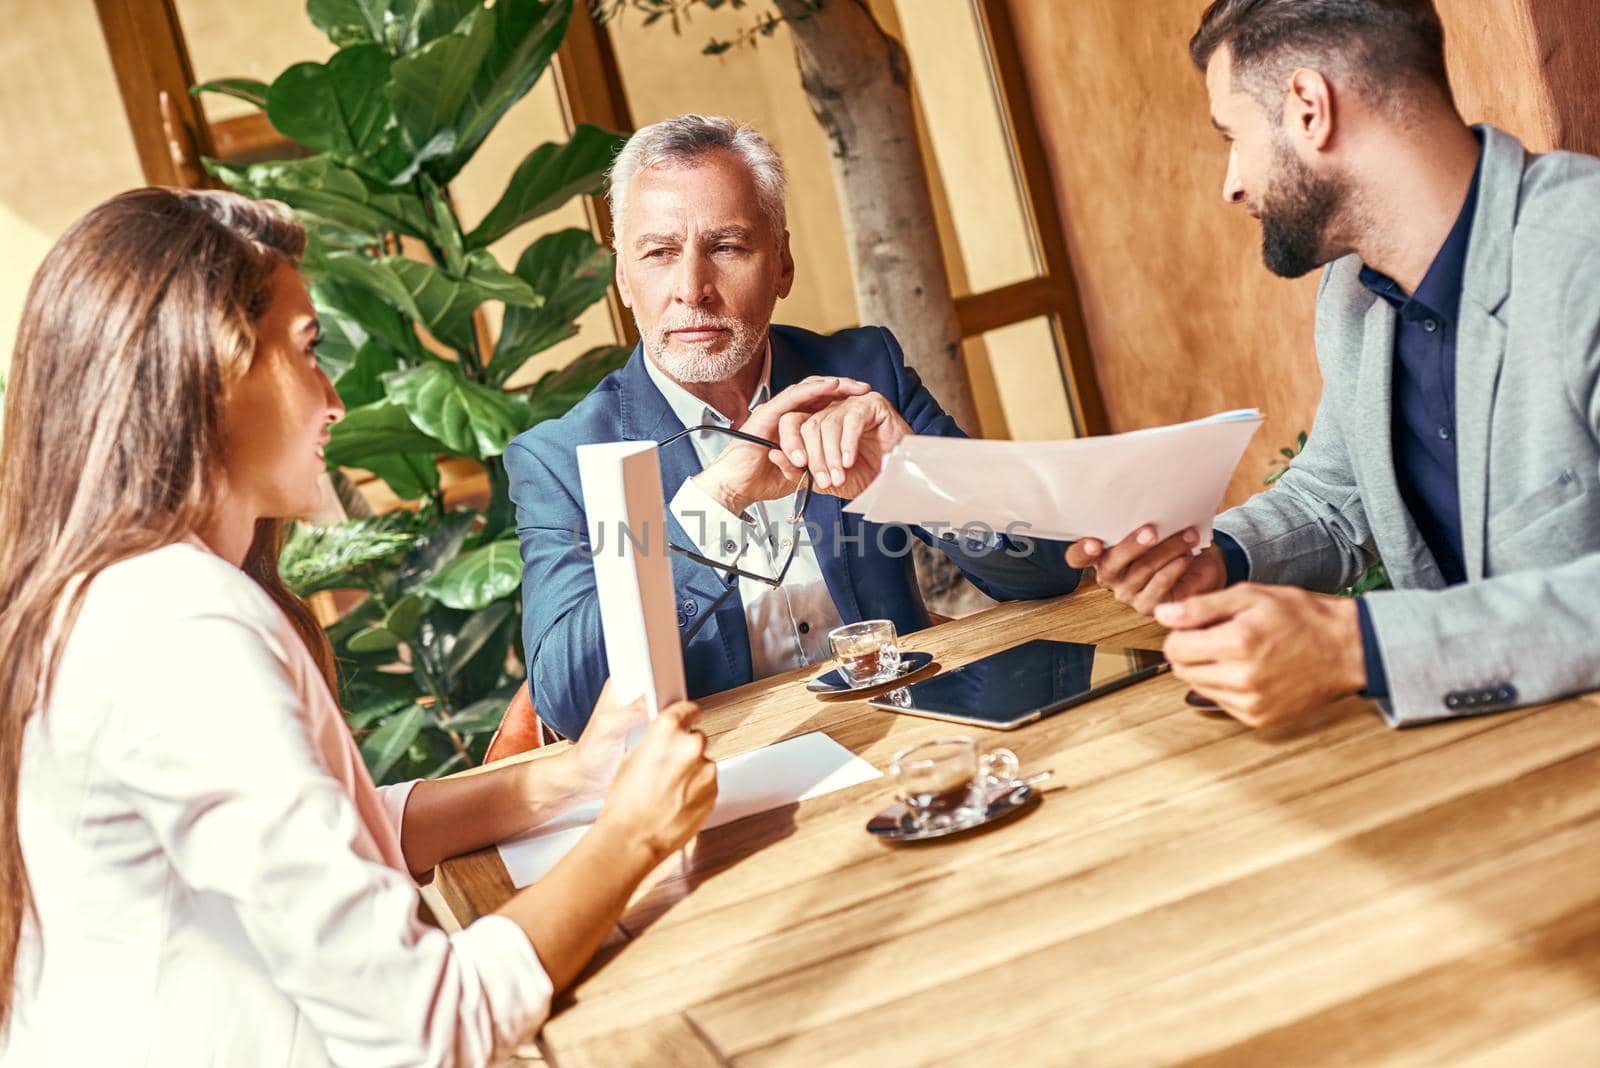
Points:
(632, 571)
(1104, 487)
(796, 769)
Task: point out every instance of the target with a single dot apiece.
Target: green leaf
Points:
(570, 271)
(551, 175)
(1287, 453)
(469, 419)
(478, 578)
(411, 475)
(334, 107)
(474, 635)
(442, 302)
(321, 189)
(427, 88)
(526, 36)
(403, 616)
(385, 745)
(331, 557)
(367, 687)
(482, 715)
(348, 22)
(434, 18)
(249, 90)
(554, 394)
(1274, 476)
(400, 25)
(357, 314)
(376, 430)
(375, 639)
(432, 550)
(362, 381)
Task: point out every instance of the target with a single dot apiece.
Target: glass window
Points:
(1022, 365)
(987, 236)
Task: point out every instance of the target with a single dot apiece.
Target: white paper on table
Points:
(632, 571)
(795, 769)
(1101, 487)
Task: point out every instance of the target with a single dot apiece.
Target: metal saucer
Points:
(833, 681)
(894, 823)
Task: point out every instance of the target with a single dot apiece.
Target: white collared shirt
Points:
(789, 625)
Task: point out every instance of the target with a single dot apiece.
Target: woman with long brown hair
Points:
(196, 867)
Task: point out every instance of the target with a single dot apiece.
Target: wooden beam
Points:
(252, 139)
(150, 59)
(1028, 299)
(994, 19)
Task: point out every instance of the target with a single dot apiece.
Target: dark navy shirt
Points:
(1423, 421)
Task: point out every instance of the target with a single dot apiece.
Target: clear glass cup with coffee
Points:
(948, 781)
(868, 651)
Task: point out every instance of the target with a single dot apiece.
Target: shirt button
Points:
(690, 608)
(805, 628)
(1444, 433)
(1430, 325)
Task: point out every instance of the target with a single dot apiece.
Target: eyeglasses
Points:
(731, 572)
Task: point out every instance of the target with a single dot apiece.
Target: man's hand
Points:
(843, 445)
(745, 473)
(1142, 573)
(1266, 654)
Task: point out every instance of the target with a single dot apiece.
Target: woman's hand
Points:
(601, 746)
(665, 788)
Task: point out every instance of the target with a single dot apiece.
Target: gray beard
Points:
(693, 368)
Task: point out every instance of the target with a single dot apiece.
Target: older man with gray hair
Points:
(768, 561)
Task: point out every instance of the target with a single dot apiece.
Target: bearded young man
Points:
(702, 259)
(1458, 333)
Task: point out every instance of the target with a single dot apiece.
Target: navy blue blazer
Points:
(872, 578)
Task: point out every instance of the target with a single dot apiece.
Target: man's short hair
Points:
(684, 141)
(1388, 49)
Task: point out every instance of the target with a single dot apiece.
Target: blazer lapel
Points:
(1481, 336)
(1400, 544)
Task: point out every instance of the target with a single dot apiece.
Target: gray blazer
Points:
(1525, 627)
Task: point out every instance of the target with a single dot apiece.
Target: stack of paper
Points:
(1105, 487)
(793, 770)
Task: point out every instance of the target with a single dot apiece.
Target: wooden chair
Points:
(521, 729)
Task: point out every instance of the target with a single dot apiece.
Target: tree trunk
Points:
(858, 83)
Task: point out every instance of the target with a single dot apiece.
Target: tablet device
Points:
(1026, 682)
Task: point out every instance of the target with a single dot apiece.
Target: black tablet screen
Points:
(1020, 684)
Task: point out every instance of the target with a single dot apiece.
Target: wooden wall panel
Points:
(1183, 318)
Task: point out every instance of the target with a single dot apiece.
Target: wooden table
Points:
(1188, 890)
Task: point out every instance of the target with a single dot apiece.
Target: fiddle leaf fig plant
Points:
(429, 658)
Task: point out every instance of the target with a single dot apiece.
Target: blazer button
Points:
(1506, 692)
(1469, 700)
(1452, 700)
(805, 628)
(1486, 697)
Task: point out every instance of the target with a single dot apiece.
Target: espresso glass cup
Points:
(868, 651)
(948, 781)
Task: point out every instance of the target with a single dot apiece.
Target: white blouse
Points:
(216, 878)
